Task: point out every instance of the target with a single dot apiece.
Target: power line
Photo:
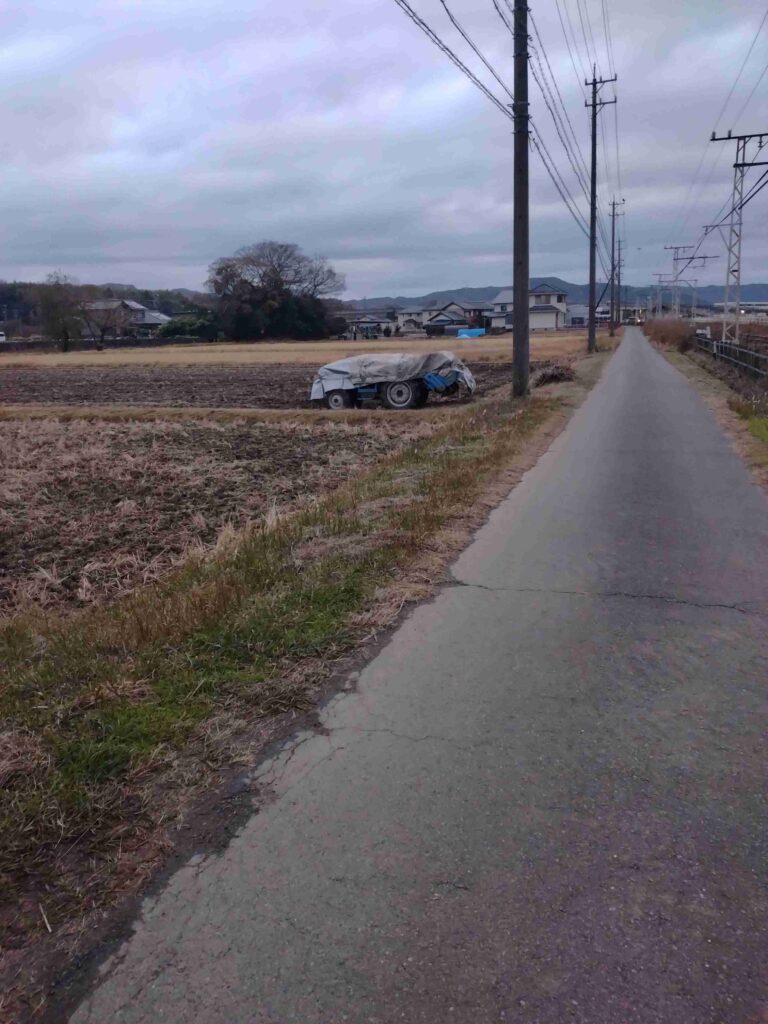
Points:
(570, 50)
(434, 38)
(589, 28)
(541, 148)
(551, 105)
(592, 57)
(536, 143)
(475, 50)
(608, 40)
(754, 90)
(741, 69)
(574, 36)
(756, 187)
(685, 210)
(559, 94)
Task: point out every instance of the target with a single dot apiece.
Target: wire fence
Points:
(751, 356)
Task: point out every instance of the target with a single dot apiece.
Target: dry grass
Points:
(670, 333)
(91, 509)
(558, 345)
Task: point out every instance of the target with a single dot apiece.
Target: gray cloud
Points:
(144, 139)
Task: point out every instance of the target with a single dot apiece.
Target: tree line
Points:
(267, 290)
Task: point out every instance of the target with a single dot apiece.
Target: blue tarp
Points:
(471, 332)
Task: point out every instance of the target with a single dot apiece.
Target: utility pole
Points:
(614, 215)
(732, 295)
(619, 262)
(596, 105)
(520, 256)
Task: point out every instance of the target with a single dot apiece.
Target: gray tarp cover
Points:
(382, 367)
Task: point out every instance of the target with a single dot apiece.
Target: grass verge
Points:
(755, 415)
(113, 718)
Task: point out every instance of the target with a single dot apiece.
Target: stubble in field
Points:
(90, 509)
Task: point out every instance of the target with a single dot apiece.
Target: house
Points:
(368, 325)
(451, 314)
(415, 318)
(546, 309)
(119, 318)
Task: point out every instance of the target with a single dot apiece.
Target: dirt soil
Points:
(90, 509)
(278, 386)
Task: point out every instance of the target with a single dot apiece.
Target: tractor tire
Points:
(401, 394)
(339, 399)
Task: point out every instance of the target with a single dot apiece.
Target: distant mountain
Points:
(577, 294)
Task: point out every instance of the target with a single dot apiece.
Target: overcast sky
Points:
(145, 138)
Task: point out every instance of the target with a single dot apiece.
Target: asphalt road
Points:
(544, 801)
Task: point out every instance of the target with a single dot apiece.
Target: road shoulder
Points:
(729, 409)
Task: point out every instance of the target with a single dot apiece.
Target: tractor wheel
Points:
(339, 399)
(401, 394)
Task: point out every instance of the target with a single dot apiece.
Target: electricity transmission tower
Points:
(687, 262)
(596, 106)
(663, 282)
(732, 238)
(676, 258)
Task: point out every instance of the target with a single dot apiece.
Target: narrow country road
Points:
(544, 800)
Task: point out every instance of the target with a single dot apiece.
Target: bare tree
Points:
(58, 303)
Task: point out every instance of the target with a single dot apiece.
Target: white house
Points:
(546, 309)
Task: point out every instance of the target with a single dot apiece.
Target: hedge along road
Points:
(543, 800)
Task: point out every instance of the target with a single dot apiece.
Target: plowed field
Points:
(273, 386)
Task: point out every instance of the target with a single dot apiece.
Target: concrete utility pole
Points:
(614, 215)
(732, 295)
(596, 105)
(520, 257)
(619, 262)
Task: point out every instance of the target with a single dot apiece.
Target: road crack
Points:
(740, 606)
